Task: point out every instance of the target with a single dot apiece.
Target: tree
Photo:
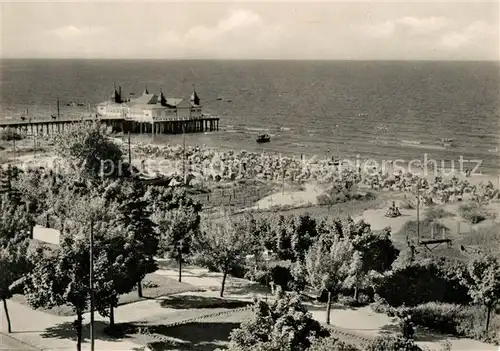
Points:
(328, 266)
(376, 249)
(331, 344)
(13, 265)
(139, 230)
(14, 222)
(292, 236)
(483, 280)
(114, 257)
(281, 325)
(392, 343)
(177, 219)
(223, 244)
(59, 277)
(88, 150)
(355, 274)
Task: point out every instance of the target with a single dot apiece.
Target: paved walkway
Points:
(48, 332)
(363, 322)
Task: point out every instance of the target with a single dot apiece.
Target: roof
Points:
(109, 103)
(146, 106)
(174, 101)
(149, 101)
(145, 99)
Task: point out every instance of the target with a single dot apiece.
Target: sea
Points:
(380, 110)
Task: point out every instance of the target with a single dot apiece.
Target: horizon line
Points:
(247, 59)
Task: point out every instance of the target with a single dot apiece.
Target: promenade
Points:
(36, 330)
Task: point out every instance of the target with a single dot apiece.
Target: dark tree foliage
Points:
(281, 325)
(14, 264)
(377, 250)
(139, 229)
(61, 277)
(88, 152)
(291, 236)
(14, 222)
(417, 283)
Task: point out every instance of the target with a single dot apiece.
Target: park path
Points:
(362, 323)
(44, 331)
(37, 330)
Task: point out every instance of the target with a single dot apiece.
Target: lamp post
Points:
(179, 246)
(266, 259)
(92, 341)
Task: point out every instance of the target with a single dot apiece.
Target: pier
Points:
(173, 125)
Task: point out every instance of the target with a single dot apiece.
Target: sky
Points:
(396, 30)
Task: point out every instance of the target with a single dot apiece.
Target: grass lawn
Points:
(154, 286)
(205, 335)
(341, 210)
(236, 195)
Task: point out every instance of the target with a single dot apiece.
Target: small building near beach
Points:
(150, 107)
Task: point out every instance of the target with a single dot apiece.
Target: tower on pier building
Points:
(150, 107)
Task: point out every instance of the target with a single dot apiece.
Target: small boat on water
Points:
(447, 142)
(263, 138)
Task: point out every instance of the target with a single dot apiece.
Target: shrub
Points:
(331, 344)
(407, 205)
(365, 299)
(425, 226)
(379, 305)
(419, 282)
(391, 343)
(281, 325)
(348, 301)
(485, 236)
(441, 317)
(335, 195)
(437, 213)
(472, 213)
(9, 135)
(468, 321)
(147, 284)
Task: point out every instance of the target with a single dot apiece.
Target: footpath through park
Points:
(37, 330)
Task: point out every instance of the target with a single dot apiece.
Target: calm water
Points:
(381, 110)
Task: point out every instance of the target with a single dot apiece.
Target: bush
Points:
(391, 343)
(365, 299)
(441, 317)
(437, 213)
(348, 301)
(473, 213)
(9, 135)
(331, 344)
(486, 237)
(425, 226)
(281, 325)
(467, 321)
(407, 205)
(379, 305)
(420, 282)
(335, 195)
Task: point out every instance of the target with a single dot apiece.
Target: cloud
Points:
(71, 32)
(476, 31)
(379, 30)
(240, 34)
(424, 25)
(409, 25)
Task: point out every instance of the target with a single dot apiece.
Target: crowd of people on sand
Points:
(228, 165)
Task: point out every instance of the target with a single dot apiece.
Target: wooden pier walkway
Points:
(175, 125)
